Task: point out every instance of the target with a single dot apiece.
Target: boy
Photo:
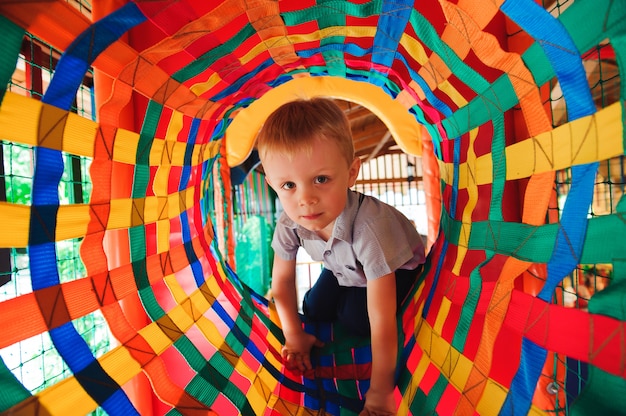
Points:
(371, 252)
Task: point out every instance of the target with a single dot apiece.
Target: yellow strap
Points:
(585, 140)
(72, 220)
(472, 193)
(21, 122)
(14, 223)
(455, 367)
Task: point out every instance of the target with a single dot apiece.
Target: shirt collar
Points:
(345, 221)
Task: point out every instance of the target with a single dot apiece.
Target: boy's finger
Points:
(301, 361)
(307, 363)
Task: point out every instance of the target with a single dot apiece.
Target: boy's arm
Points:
(298, 343)
(381, 306)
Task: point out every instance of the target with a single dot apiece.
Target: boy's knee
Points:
(358, 327)
(316, 311)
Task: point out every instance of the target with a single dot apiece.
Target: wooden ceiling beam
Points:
(367, 154)
(357, 113)
(365, 122)
(370, 137)
(372, 152)
(381, 144)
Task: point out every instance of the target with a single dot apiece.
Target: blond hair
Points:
(294, 127)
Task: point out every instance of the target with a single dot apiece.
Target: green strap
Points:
(535, 243)
(334, 58)
(603, 241)
(202, 63)
(12, 391)
(325, 9)
(602, 389)
(11, 36)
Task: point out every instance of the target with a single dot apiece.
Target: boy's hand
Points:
(368, 412)
(378, 404)
(297, 351)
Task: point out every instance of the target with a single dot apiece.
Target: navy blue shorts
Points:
(326, 301)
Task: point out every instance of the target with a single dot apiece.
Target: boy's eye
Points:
(321, 179)
(288, 185)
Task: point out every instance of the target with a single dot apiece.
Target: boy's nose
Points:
(307, 197)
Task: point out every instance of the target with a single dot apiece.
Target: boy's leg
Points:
(405, 279)
(320, 302)
(352, 311)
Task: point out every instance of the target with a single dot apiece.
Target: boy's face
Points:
(312, 187)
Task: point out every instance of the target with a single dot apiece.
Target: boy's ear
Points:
(355, 167)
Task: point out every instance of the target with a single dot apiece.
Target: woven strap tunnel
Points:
(182, 87)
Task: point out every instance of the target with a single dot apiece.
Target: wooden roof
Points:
(370, 134)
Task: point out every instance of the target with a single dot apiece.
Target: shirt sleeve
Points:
(285, 241)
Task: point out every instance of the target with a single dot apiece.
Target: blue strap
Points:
(394, 17)
(436, 276)
(567, 63)
(85, 49)
(49, 167)
(560, 50)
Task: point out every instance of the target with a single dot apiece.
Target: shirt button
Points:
(339, 274)
(327, 253)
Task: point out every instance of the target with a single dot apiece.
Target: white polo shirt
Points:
(370, 239)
